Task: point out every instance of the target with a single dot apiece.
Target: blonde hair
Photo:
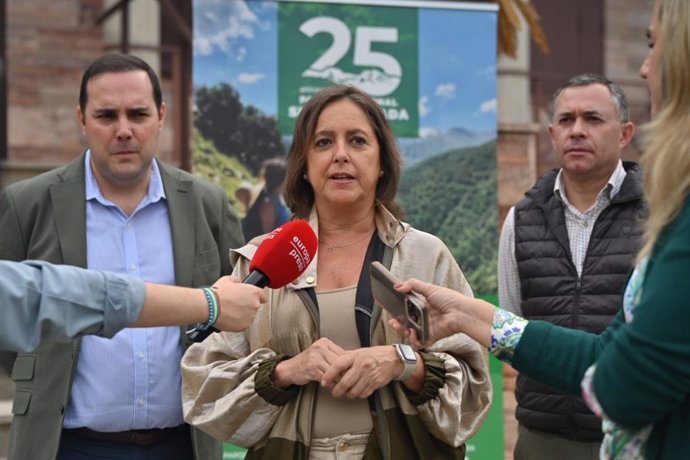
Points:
(666, 158)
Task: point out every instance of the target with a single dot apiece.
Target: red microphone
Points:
(283, 255)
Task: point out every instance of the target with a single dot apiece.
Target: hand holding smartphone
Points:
(409, 309)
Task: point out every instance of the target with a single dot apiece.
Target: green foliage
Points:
(228, 173)
(454, 196)
(239, 131)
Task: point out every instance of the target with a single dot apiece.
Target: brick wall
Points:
(48, 46)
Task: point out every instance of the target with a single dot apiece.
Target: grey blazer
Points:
(44, 218)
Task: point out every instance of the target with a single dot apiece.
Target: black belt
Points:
(139, 438)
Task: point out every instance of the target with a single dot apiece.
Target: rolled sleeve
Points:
(124, 298)
(47, 301)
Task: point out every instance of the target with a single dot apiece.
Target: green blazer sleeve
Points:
(644, 375)
(558, 356)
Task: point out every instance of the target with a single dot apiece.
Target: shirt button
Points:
(129, 225)
(141, 401)
(133, 267)
(141, 355)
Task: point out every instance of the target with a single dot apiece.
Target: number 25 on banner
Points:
(373, 81)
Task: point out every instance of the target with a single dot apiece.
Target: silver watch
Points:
(408, 358)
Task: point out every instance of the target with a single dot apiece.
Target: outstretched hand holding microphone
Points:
(43, 301)
(282, 256)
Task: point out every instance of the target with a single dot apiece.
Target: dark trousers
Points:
(539, 445)
(76, 447)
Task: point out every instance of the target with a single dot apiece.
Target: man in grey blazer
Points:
(115, 208)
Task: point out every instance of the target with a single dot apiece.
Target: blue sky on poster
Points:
(235, 42)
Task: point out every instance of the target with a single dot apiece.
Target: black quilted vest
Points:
(551, 290)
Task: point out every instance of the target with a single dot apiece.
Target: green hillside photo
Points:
(453, 196)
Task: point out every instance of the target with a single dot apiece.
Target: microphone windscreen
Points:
(285, 253)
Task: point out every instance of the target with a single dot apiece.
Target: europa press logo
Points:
(299, 253)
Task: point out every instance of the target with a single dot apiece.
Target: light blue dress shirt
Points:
(133, 380)
(40, 300)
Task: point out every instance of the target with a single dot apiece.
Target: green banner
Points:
(373, 48)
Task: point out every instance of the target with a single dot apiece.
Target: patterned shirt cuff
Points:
(506, 333)
(588, 395)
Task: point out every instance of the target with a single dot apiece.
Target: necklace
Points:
(331, 247)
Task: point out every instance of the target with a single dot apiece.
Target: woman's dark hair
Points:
(299, 194)
(274, 173)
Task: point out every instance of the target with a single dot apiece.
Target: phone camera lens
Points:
(412, 312)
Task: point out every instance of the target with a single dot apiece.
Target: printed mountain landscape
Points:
(453, 196)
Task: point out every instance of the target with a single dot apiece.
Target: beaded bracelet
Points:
(212, 299)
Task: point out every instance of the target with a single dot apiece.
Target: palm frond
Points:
(509, 23)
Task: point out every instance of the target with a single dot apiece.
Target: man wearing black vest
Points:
(566, 249)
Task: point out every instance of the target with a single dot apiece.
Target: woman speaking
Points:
(262, 389)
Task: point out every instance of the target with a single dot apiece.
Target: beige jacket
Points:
(220, 375)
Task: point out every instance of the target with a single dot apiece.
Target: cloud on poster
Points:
(251, 78)
(488, 106)
(427, 132)
(423, 105)
(489, 72)
(445, 91)
(222, 23)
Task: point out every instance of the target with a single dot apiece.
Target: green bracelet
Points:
(212, 299)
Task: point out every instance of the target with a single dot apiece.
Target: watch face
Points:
(407, 352)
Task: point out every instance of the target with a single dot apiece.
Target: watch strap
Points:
(409, 365)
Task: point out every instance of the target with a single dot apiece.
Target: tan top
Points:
(337, 416)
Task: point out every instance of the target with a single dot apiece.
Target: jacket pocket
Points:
(206, 267)
(23, 368)
(22, 400)
(207, 257)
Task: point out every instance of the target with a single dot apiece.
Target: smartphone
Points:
(409, 309)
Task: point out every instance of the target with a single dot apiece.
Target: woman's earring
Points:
(305, 177)
(381, 173)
